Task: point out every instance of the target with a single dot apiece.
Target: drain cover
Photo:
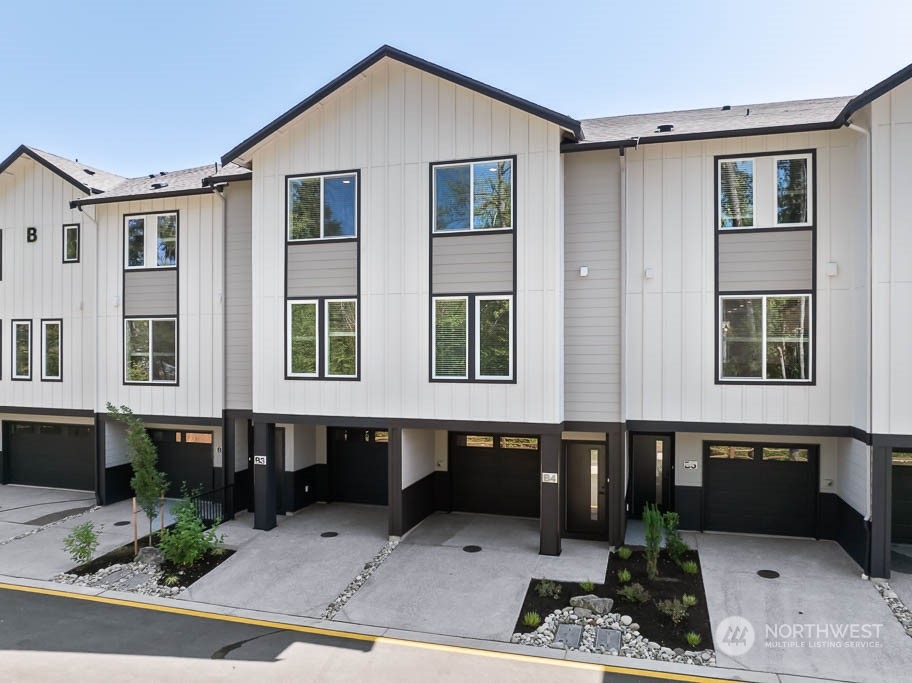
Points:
(568, 635)
(472, 548)
(608, 638)
(121, 523)
(329, 534)
(768, 574)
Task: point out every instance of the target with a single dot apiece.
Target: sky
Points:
(138, 87)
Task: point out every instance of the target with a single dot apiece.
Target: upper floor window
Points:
(475, 195)
(151, 240)
(71, 243)
(322, 207)
(770, 191)
(765, 338)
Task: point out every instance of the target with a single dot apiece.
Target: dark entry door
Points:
(902, 497)
(54, 455)
(650, 480)
(585, 468)
(358, 466)
(185, 457)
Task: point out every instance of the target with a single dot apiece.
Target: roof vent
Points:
(89, 171)
(151, 175)
(158, 186)
(664, 128)
(727, 107)
(161, 173)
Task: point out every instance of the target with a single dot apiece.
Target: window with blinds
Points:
(322, 207)
(736, 193)
(451, 338)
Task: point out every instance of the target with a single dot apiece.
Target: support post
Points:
(616, 504)
(264, 479)
(881, 511)
(550, 517)
(394, 478)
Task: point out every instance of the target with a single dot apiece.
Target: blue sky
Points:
(136, 87)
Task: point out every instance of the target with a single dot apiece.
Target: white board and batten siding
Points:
(592, 303)
(391, 123)
(199, 392)
(891, 132)
(36, 284)
(670, 327)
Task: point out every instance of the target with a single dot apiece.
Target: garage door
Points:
(184, 456)
(495, 474)
(48, 454)
(358, 466)
(902, 497)
(760, 489)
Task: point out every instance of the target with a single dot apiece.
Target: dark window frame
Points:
(322, 175)
(13, 375)
(147, 214)
(432, 191)
(151, 382)
(78, 227)
(322, 346)
(43, 359)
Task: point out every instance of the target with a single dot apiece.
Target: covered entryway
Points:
(358, 462)
(585, 484)
(760, 488)
(185, 457)
(495, 474)
(902, 497)
(652, 470)
(50, 454)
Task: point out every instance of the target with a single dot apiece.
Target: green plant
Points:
(82, 542)
(693, 639)
(531, 619)
(188, 540)
(689, 600)
(171, 580)
(147, 482)
(634, 593)
(652, 521)
(674, 544)
(587, 586)
(623, 575)
(624, 552)
(548, 589)
(674, 609)
(690, 567)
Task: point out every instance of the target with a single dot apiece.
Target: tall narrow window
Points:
(322, 207)
(22, 349)
(450, 359)
(71, 243)
(792, 191)
(494, 338)
(51, 345)
(736, 193)
(341, 338)
(302, 344)
(150, 241)
(150, 350)
(473, 196)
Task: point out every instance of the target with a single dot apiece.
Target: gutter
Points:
(103, 199)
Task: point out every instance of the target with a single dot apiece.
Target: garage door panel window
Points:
(51, 345)
(785, 454)
(151, 350)
(22, 349)
(731, 452)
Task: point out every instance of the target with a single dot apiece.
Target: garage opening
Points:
(358, 461)
(50, 454)
(495, 474)
(902, 497)
(184, 456)
(760, 488)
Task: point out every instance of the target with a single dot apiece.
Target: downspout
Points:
(622, 162)
(218, 191)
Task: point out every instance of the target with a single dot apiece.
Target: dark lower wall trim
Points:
(688, 504)
(300, 488)
(748, 428)
(182, 420)
(418, 501)
(892, 440)
(61, 412)
(443, 491)
(117, 483)
(518, 428)
(853, 533)
(583, 426)
(242, 498)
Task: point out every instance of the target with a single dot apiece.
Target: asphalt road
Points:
(48, 637)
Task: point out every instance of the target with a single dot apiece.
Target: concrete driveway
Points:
(818, 585)
(431, 584)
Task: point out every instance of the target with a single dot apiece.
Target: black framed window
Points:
(71, 243)
(476, 195)
(322, 207)
(52, 350)
(472, 338)
(150, 240)
(150, 350)
(322, 338)
(22, 349)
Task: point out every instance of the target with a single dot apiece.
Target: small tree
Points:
(147, 482)
(652, 521)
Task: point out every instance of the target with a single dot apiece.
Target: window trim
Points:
(470, 163)
(322, 349)
(472, 349)
(288, 371)
(322, 176)
(812, 339)
(325, 337)
(147, 250)
(477, 369)
(150, 381)
(45, 322)
(468, 326)
(809, 193)
(13, 374)
(66, 228)
(718, 190)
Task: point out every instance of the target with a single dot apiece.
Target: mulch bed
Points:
(670, 583)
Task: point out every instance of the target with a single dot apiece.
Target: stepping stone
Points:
(607, 638)
(569, 634)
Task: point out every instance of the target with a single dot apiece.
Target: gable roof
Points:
(87, 178)
(566, 122)
(878, 90)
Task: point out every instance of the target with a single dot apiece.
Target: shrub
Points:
(587, 586)
(623, 576)
(634, 593)
(624, 552)
(690, 567)
(674, 544)
(693, 639)
(82, 542)
(531, 619)
(548, 589)
(674, 609)
(652, 521)
(189, 540)
(689, 600)
(171, 580)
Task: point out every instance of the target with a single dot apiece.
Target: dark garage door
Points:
(184, 457)
(495, 474)
(760, 489)
(902, 497)
(54, 455)
(358, 466)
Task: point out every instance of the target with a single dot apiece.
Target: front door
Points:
(586, 482)
(651, 473)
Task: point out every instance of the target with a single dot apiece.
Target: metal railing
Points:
(217, 504)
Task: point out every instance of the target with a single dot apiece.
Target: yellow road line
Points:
(646, 673)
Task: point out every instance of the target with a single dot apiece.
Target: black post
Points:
(264, 479)
(550, 520)
(228, 448)
(881, 510)
(617, 505)
(394, 479)
(101, 497)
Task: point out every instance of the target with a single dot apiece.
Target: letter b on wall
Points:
(31, 234)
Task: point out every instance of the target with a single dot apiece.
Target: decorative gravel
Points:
(135, 577)
(39, 529)
(633, 644)
(900, 611)
(333, 608)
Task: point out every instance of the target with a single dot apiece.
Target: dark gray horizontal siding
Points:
(323, 269)
(150, 292)
(759, 261)
(238, 302)
(473, 264)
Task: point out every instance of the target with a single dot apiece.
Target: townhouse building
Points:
(417, 291)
